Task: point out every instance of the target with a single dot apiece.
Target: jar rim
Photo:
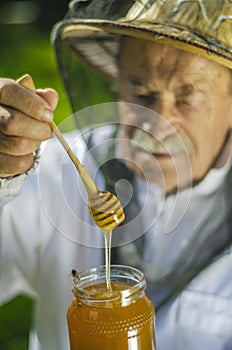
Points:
(132, 277)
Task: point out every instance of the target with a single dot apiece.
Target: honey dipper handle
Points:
(27, 82)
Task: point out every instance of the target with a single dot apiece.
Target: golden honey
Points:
(121, 319)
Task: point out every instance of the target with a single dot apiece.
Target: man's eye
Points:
(185, 104)
(183, 101)
(184, 95)
(147, 98)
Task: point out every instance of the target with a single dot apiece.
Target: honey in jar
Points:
(120, 319)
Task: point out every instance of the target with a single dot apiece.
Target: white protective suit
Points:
(46, 231)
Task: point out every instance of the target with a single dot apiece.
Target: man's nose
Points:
(167, 106)
(166, 113)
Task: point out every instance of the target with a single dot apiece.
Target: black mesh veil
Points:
(84, 86)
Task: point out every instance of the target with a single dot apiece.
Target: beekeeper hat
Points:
(93, 28)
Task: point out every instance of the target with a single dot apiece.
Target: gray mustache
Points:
(169, 145)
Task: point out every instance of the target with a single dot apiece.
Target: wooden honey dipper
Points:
(105, 209)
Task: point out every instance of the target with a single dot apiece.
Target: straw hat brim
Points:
(86, 33)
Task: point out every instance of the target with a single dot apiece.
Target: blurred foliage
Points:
(24, 49)
(15, 319)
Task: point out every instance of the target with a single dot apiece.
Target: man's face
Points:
(193, 97)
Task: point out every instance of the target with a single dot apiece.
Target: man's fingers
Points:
(17, 146)
(50, 96)
(24, 124)
(11, 165)
(28, 102)
(14, 123)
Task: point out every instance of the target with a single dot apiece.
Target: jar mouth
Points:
(130, 279)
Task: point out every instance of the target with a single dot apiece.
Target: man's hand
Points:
(24, 117)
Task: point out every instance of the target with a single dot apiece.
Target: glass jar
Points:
(121, 319)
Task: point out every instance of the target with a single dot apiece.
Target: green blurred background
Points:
(25, 44)
(25, 48)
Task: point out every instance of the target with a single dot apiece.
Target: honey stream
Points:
(107, 239)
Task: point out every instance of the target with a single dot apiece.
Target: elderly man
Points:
(168, 157)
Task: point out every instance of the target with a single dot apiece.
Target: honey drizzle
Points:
(107, 238)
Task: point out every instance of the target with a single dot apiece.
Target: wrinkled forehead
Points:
(141, 56)
(156, 51)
